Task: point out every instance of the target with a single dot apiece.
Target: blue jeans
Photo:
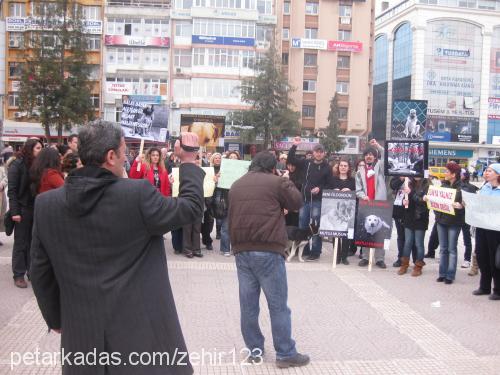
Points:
(264, 270)
(414, 238)
(448, 239)
(306, 212)
(225, 243)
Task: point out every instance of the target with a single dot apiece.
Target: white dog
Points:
(373, 224)
(412, 128)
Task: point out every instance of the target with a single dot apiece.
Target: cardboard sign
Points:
(373, 224)
(479, 211)
(230, 171)
(338, 214)
(208, 182)
(441, 199)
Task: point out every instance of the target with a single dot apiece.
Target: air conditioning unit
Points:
(174, 105)
(13, 43)
(174, 133)
(178, 70)
(321, 134)
(345, 20)
(18, 114)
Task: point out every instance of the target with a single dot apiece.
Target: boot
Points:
(405, 263)
(417, 270)
(474, 269)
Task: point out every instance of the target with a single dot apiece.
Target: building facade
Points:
(448, 53)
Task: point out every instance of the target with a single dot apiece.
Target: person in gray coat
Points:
(370, 185)
(99, 270)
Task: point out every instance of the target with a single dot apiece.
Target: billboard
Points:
(320, 44)
(341, 46)
(406, 158)
(210, 129)
(408, 119)
(452, 129)
(144, 118)
(137, 41)
(223, 40)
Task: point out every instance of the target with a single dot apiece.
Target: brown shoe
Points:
(405, 262)
(20, 282)
(474, 270)
(188, 253)
(417, 270)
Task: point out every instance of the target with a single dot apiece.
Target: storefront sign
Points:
(92, 26)
(119, 88)
(267, 19)
(320, 44)
(341, 46)
(180, 14)
(448, 153)
(126, 40)
(223, 40)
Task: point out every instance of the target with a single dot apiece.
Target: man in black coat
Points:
(99, 270)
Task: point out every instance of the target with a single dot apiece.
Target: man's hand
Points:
(190, 140)
(297, 141)
(345, 189)
(365, 198)
(374, 143)
(16, 218)
(315, 190)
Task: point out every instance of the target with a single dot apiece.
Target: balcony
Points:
(165, 4)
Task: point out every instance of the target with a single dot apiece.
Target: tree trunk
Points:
(266, 138)
(46, 127)
(60, 133)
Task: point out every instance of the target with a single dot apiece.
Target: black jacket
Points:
(315, 175)
(98, 265)
(459, 217)
(335, 182)
(19, 187)
(416, 216)
(396, 184)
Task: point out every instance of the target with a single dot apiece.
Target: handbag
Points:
(497, 258)
(8, 223)
(219, 205)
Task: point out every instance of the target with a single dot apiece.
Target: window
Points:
(311, 34)
(286, 7)
(182, 88)
(156, 27)
(15, 69)
(94, 72)
(345, 10)
(380, 69)
(91, 12)
(16, 40)
(310, 59)
(95, 100)
(308, 111)
(343, 87)
(467, 3)
(403, 51)
(215, 88)
(312, 8)
(122, 56)
(223, 27)
(343, 62)
(286, 33)
(183, 28)
(17, 10)
(183, 4)
(265, 6)
(342, 112)
(264, 34)
(154, 86)
(94, 42)
(309, 85)
(284, 58)
(14, 100)
(248, 59)
(487, 4)
(182, 58)
(345, 35)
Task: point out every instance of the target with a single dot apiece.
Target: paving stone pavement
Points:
(349, 320)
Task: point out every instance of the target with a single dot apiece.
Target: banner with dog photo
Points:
(210, 129)
(409, 119)
(144, 117)
(406, 158)
(338, 214)
(373, 224)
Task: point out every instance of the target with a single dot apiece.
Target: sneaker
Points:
(345, 262)
(363, 263)
(296, 361)
(465, 264)
(397, 263)
(312, 258)
(440, 279)
(381, 264)
(227, 254)
(198, 254)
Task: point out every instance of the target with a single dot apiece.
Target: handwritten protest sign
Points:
(441, 199)
(208, 182)
(230, 171)
(479, 211)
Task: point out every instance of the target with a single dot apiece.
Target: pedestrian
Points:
(152, 168)
(73, 142)
(99, 269)
(46, 172)
(70, 162)
(317, 174)
(258, 234)
(488, 241)
(466, 230)
(292, 217)
(208, 219)
(3, 196)
(370, 185)
(449, 226)
(415, 221)
(21, 202)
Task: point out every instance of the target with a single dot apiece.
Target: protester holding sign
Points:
(151, 168)
(449, 225)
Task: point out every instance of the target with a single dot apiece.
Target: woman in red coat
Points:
(153, 170)
(46, 171)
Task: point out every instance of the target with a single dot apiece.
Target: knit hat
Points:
(495, 167)
(319, 147)
(453, 167)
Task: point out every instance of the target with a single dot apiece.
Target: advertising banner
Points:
(320, 44)
(441, 199)
(230, 171)
(120, 88)
(338, 214)
(373, 224)
(341, 46)
(223, 40)
(137, 41)
(408, 119)
(406, 158)
(144, 119)
(210, 129)
(494, 108)
(452, 129)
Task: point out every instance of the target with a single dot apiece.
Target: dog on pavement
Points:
(373, 224)
(298, 239)
(412, 128)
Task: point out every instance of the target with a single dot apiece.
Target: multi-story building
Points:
(2, 64)
(326, 50)
(20, 19)
(448, 53)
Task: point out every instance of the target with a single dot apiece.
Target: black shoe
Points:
(363, 263)
(381, 264)
(345, 262)
(397, 263)
(481, 292)
(198, 254)
(217, 236)
(312, 258)
(429, 255)
(296, 361)
(440, 279)
(495, 297)
(177, 252)
(448, 282)
(188, 253)
(209, 247)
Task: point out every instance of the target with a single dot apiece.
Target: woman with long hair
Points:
(21, 202)
(70, 162)
(45, 172)
(153, 169)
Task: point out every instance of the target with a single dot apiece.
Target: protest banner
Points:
(144, 117)
(406, 158)
(338, 214)
(210, 129)
(208, 182)
(230, 171)
(441, 199)
(479, 211)
(373, 224)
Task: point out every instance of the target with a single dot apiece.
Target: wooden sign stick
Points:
(141, 149)
(370, 259)
(335, 252)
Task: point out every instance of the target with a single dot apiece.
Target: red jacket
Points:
(149, 175)
(51, 179)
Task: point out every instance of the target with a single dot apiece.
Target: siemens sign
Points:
(443, 152)
(223, 40)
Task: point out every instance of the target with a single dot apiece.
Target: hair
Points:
(371, 150)
(235, 153)
(263, 161)
(149, 163)
(214, 155)
(96, 139)
(454, 166)
(71, 137)
(349, 166)
(62, 149)
(335, 168)
(47, 159)
(26, 152)
(358, 163)
(70, 162)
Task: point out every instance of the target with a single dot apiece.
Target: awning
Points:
(18, 131)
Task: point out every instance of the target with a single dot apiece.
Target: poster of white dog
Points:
(409, 119)
(338, 214)
(373, 224)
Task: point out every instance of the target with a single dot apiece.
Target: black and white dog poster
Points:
(373, 224)
(406, 158)
(409, 119)
(338, 214)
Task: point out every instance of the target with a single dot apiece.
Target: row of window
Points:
(216, 57)
(138, 27)
(47, 8)
(17, 40)
(309, 85)
(136, 56)
(263, 6)
(313, 9)
(310, 33)
(15, 70)
(309, 111)
(14, 100)
(206, 88)
(311, 60)
(143, 85)
(224, 27)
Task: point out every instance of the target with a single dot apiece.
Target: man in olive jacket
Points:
(99, 270)
(258, 237)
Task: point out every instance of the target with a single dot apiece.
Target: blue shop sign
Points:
(447, 153)
(223, 40)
